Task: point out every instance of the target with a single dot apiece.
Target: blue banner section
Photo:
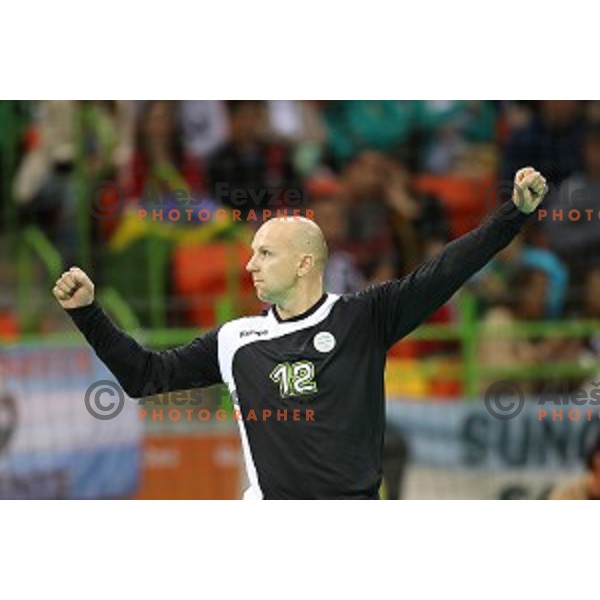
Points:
(548, 434)
(61, 435)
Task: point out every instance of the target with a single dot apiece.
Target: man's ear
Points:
(307, 262)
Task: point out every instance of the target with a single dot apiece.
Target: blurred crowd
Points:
(390, 182)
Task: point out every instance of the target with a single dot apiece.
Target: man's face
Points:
(274, 263)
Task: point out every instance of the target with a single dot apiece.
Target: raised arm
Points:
(401, 305)
(139, 371)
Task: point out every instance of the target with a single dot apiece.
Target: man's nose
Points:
(250, 266)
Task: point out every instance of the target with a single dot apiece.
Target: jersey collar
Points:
(303, 315)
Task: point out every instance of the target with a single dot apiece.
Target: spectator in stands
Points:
(551, 141)
(55, 123)
(389, 222)
(449, 128)
(370, 238)
(514, 115)
(341, 276)
(587, 485)
(160, 150)
(162, 168)
(251, 171)
(492, 284)
(354, 126)
(420, 222)
(205, 127)
(300, 123)
(590, 309)
(525, 299)
(45, 186)
(577, 241)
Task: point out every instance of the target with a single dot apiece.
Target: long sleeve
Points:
(398, 306)
(143, 372)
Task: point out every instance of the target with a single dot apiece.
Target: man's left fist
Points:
(529, 189)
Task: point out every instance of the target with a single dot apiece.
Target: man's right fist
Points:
(74, 289)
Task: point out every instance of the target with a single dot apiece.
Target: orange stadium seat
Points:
(200, 274)
(9, 327)
(466, 200)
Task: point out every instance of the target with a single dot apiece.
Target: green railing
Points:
(33, 245)
(470, 371)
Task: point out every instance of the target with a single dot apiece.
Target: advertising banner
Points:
(475, 450)
(66, 429)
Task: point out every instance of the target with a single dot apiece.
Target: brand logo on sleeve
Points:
(324, 341)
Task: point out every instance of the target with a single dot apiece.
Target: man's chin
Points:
(262, 296)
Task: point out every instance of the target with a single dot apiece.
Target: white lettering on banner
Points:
(465, 435)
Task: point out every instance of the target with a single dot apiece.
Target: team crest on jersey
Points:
(324, 341)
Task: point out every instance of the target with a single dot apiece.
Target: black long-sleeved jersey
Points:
(310, 389)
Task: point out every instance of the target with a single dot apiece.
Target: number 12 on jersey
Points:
(295, 379)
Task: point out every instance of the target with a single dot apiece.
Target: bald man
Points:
(307, 375)
(288, 264)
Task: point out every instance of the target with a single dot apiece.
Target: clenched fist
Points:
(74, 289)
(529, 189)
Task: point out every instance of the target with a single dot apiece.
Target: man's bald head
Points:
(288, 261)
(304, 235)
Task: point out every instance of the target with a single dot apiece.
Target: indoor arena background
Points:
(495, 396)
